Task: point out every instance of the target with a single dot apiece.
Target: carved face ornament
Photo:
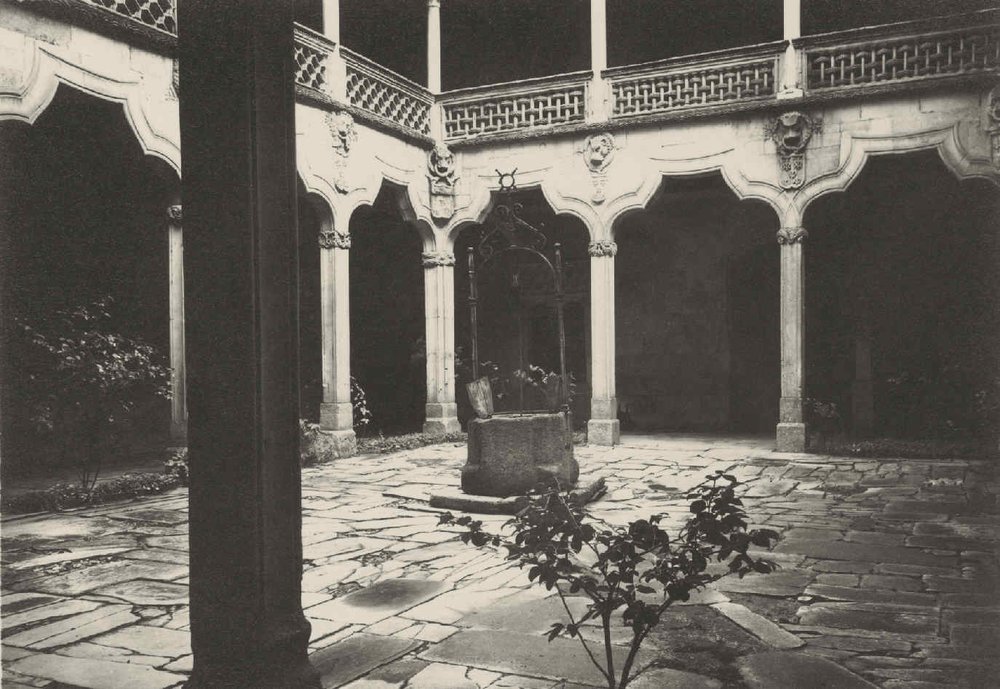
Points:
(344, 134)
(792, 132)
(598, 151)
(441, 162)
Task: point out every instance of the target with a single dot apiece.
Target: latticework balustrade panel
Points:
(964, 52)
(508, 113)
(158, 14)
(658, 93)
(310, 66)
(370, 93)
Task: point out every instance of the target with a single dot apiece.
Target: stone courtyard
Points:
(888, 578)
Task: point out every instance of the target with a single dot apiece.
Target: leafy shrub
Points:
(382, 445)
(177, 466)
(953, 402)
(640, 570)
(359, 405)
(66, 495)
(85, 381)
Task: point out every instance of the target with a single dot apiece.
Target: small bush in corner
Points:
(67, 495)
(639, 570)
(177, 466)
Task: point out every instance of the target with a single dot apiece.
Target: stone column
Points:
(603, 427)
(241, 268)
(434, 46)
(336, 415)
(600, 90)
(434, 65)
(789, 86)
(439, 312)
(791, 431)
(178, 373)
(331, 20)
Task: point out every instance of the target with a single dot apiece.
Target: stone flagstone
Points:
(347, 660)
(525, 654)
(94, 674)
(761, 627)
(146, 592)
(75, 628)
(788, 670)
(379, 601)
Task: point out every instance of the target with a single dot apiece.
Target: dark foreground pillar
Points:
(238, 139)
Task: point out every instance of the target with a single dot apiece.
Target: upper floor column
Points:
(789, 86)
(331, 20)
(600, 95)
(434, 62)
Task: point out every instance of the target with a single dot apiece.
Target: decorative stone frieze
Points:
(345, 134)
(331, 239)
(791, 133)
(598, 151)
(442, 176)
(175, 213)
(433, 259)
(792, 235)
(603, 247)
(993, 125)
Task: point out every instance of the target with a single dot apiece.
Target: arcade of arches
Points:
(901, 301)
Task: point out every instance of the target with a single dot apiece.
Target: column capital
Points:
(434, 259)
(603, 247)
(433, 3)
(331, 239)
(792, 235)
(175, 212)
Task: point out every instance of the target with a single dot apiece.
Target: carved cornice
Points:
(792, 235)
(175, 213)
(331, 239)
(434, 259)
(604, 247)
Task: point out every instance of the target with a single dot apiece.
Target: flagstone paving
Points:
(889, 578)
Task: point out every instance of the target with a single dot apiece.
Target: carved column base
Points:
(606, 432)
(442, 418)
(336, 416)
(791, 437)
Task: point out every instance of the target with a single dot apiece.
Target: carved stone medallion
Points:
(442, 176)
(598, 152)
(791, 133)
(345, 134)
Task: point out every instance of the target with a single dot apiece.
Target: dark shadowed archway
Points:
(902, 307)
(697, 311)
(84, 218)
(388, 357)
